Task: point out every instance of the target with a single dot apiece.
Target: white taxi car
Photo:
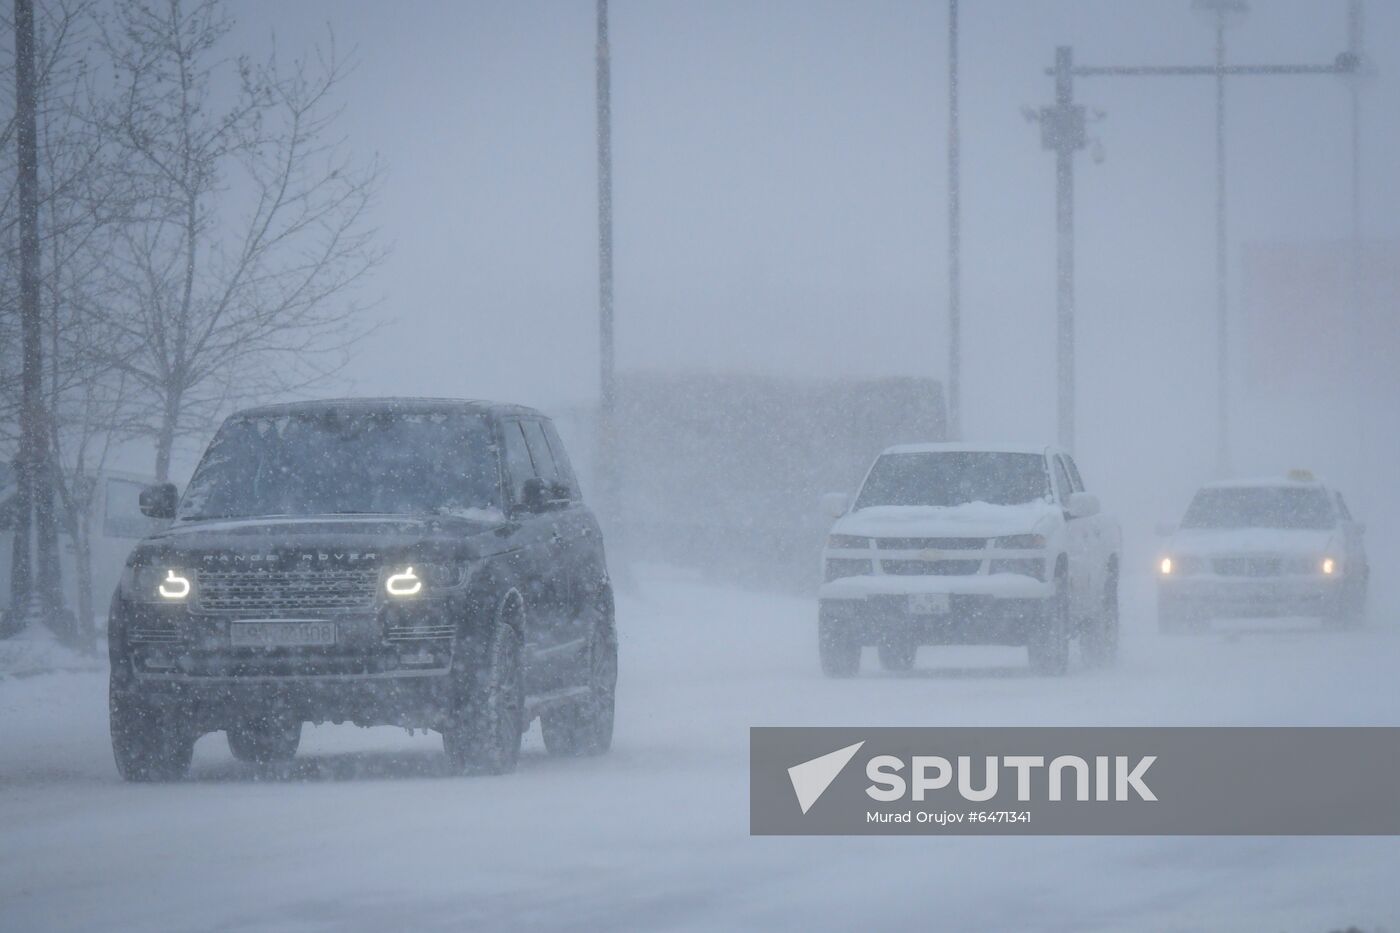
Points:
(1265, 547)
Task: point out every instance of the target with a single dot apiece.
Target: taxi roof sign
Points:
(1302, 476)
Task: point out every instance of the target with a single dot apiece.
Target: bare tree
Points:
(239, 281)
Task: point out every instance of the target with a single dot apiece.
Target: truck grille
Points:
(279, 591)
(937, 544)
(934, 568)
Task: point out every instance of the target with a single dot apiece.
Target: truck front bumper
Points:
(992, 609)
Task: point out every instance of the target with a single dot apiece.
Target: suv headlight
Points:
(158, 583)
(414, 579)
(1019, 542)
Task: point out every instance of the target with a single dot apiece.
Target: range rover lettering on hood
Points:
(303, 558)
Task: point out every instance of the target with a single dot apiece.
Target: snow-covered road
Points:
(367, 832)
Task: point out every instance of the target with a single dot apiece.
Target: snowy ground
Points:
(366, 832)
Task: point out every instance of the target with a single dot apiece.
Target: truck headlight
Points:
(848, 542)
(1329, 566)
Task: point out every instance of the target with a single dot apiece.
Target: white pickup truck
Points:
(969, 544)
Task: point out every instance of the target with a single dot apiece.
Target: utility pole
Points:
(1221, 11)
(1221, 8)
(1361, 358)
(1069, 138)
(954, 234)
(1062, 129)
(607, 377)
(35, 482)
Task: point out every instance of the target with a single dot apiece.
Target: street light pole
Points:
(1222, 316)
(607, 380)
(954, 234)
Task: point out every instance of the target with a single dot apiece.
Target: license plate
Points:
(282, 634)
(928, 604)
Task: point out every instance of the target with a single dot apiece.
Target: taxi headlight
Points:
(1180, 566)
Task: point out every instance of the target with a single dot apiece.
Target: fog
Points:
(780, 211)
(780, 204)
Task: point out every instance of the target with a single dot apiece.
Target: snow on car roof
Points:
(1269, 482)
(965, 448)
(405, 404)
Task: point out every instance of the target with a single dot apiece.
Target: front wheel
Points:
(486, 720)
(150, 741)
(1177, 618)
(1048, 647)
(1349, 610)
(1099, 643)
(897, 653)
(586, 727)
(840, 653)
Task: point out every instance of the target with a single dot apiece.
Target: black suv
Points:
(413, 562)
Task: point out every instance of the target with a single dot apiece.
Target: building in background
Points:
(723, 472)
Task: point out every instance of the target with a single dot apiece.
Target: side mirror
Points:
(1082, 505)
(835, 504)
(533, 495)
(1165, 529)
(159, 501)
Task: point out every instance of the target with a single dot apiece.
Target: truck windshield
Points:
(345, 462)
(1260, 507)
(945, 479)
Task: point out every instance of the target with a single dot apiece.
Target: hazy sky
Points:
(781, 192)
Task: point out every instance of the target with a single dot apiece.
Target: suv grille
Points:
(275, 591)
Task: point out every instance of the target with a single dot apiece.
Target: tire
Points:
(1048, 647)
(1349, 611)
(586, 727)
(150, 742)
(265, 740)
(487, 716)
(897, 653)
(1099, 643)
(1175, 619)
(840, 653)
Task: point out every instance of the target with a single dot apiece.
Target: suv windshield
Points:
(339, 462)
(955, 479)
(1260, 507)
